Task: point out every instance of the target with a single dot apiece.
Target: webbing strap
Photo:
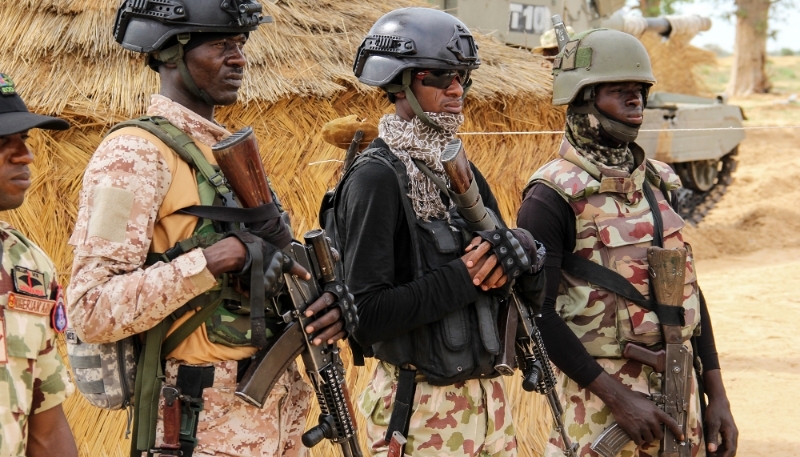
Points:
(402, 181)
(403, 403)
(148, 376)
(611, 280)
(228, 214)
(149, 372)
(209, 302)
(182, 144)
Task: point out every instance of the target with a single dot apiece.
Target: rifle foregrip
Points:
(611, 441)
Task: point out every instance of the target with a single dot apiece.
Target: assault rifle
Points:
(520, 332)
(240, 162)
(673, 365)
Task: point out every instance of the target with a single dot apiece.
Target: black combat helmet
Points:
(146, 26)
(414, 38)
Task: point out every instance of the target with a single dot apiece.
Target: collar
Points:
(194, 125)
(612, 180)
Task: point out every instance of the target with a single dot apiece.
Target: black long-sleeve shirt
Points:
(378, 259)
(551, 221)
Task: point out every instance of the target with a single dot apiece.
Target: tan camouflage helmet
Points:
(598, 56)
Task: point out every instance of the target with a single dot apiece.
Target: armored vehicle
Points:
(697, 136)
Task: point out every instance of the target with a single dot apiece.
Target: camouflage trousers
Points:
(470, 418)
(586, 416)
(230, 427)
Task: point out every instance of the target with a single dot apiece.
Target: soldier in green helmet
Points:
(33, 379)
(602, 203)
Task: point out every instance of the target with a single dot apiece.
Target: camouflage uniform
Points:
(468, 418)
(32, 374)
(614, 228)
(123, 207)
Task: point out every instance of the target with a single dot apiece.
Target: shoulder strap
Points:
(611, 280)
(182, 144)
(380, 151)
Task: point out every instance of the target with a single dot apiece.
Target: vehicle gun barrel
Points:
(667, 26)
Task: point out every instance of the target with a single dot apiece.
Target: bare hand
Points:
(640, 418)
(719, 419)
(330, 323)
(482, 266)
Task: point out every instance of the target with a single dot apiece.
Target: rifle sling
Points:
(228, 214)
(403, 403)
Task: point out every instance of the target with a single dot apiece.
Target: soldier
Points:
(144, 265)
(415, 277)
(34, 379)
(594, 203)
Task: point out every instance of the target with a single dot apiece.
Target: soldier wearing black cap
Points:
(33, 379)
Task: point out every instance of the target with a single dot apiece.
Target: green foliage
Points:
(786, 52)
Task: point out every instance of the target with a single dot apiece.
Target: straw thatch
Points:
(674, 62)
(62, 55)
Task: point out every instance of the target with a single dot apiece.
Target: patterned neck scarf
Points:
(411, 140)
(583, 133)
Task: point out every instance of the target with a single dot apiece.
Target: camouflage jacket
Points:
(615, 227)
(32, 374)
(111, 296)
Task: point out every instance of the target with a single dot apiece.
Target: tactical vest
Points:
(463, 345)
(614, 227)
(229, 324)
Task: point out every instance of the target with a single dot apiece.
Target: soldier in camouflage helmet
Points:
(592, 204)
(139, 264)
(33, 379)
(418, 281)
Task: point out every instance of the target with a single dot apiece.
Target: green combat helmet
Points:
(600, 56)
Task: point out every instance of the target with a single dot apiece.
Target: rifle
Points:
(240, 162)
(517, 323)
(673, 364)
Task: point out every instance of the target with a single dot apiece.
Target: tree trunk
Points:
(748, 75)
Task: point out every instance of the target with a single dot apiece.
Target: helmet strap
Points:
(175, 55)
(622, 131)
(405, 87)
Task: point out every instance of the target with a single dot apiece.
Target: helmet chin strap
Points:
(405, 87)
(174, 55)
(622, 131)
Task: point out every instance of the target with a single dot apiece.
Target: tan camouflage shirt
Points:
(111, 296)
(33, 377)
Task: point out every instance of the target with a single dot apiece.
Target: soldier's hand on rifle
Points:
(640, 418)
(509, 256)
(481, 265)
(718, 422)
(330, 324)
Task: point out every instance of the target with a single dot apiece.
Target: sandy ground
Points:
(749, 269)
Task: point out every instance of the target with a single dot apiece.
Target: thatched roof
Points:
(307, 52)
(65, 62)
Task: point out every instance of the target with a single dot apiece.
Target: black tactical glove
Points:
(534, 249)
(346, 304)
(510, 254)
(274, 230)
(265, 264)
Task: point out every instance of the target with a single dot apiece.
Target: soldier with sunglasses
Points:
(428, 292)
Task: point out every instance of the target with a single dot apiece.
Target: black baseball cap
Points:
(14, 115)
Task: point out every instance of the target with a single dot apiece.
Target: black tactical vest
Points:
(464, 344)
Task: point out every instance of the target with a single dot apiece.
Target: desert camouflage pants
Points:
(230, 427)
(469, 418)
(586, 416)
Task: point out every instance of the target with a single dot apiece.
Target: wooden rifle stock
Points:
(240, 162)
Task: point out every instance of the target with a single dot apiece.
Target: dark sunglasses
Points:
(442, 79)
